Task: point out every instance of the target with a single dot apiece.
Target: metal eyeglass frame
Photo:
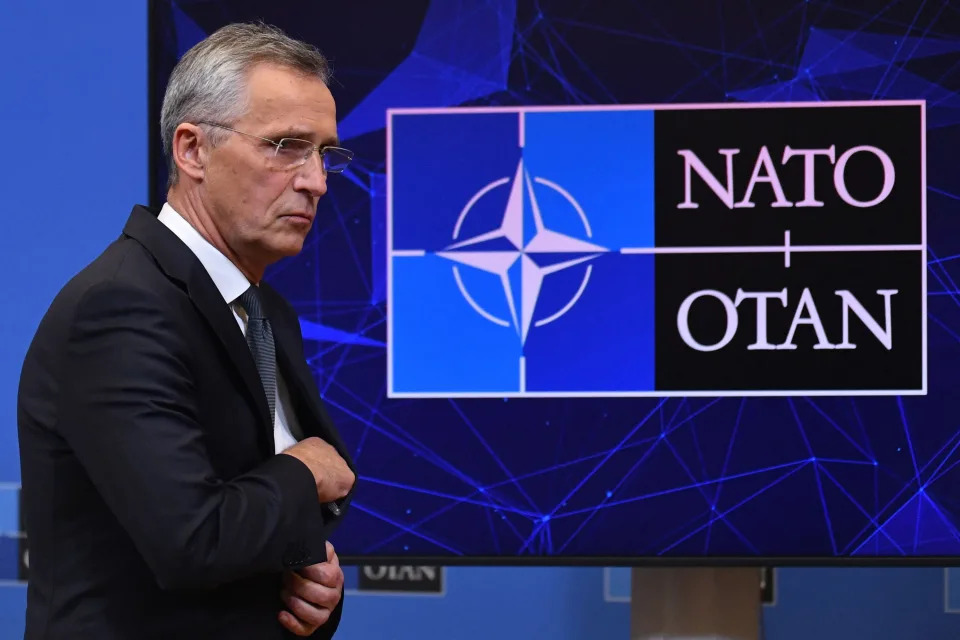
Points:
(321, 149)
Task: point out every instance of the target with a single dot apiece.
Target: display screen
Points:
(615, 283)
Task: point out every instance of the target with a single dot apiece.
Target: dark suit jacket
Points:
(154, 504)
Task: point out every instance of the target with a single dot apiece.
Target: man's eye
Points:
(293, 147)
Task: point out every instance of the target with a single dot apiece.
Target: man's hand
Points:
(311, 594)
(333, 477)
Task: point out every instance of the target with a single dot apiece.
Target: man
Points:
(180, 473)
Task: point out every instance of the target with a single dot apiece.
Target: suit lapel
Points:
(179, 263)
(295, 371)
(217, 313)
(298, 377)
(302, 384)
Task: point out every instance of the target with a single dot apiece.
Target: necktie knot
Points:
(250, 301)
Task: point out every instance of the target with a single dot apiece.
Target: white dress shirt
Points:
(231, 283)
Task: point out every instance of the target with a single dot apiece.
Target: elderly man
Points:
(180, 473)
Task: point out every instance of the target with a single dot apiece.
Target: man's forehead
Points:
(290, 103)
(279, 79)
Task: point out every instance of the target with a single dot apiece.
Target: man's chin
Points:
(291, 246)
(288, 250)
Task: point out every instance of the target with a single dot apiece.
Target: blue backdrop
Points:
(76, 76)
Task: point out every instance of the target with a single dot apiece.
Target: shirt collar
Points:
(229, 280)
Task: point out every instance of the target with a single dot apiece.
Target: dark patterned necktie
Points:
(260, 340)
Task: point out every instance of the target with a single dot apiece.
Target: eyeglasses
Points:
(290, 153)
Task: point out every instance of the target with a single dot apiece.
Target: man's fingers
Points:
(305, 612)
(313, 592)
(325, 573)
(295, 626)
(308, 600)
(330, 551)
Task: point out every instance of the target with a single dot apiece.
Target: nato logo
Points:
(507, 271)
(653, 251)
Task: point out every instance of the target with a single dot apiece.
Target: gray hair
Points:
(209, 81)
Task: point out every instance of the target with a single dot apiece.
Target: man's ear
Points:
(190, 147)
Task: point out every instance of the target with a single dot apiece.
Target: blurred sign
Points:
(400, 578)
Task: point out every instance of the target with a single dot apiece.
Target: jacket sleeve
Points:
(129, 414)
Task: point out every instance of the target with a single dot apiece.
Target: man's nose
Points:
(312, 177)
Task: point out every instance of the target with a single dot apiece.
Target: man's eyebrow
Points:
(304, 134)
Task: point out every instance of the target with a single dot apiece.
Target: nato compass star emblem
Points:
(536, 252)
